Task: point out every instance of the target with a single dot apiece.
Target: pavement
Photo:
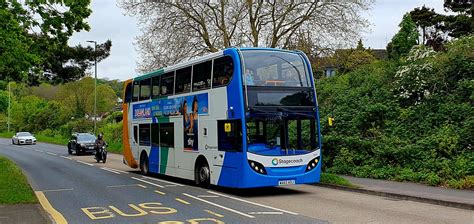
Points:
(75, 189)
(413, 191)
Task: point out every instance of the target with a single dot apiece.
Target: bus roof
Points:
(199, 59)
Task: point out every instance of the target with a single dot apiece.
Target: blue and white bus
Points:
(240, 118)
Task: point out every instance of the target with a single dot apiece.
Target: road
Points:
(79, 190)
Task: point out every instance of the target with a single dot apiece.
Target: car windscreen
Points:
(23, 134)
(85, 138)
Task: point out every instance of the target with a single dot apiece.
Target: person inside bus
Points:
(194, 121)
(249, 79)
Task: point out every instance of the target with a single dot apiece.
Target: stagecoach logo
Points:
(277, 161)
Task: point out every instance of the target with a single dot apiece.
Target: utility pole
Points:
(95, 85)
(9, 103)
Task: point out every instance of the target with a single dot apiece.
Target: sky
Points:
(108, 21)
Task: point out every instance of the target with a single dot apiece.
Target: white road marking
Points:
(220, 206)
(253, 203)
(65, 157)
(54, 190)
(144, 181)
(266, 213)
(54, 154)
(85, 163)
(37, 150)
(124, 185)
(208, 196)
(164, 181)
(102, 168)
(120, 171)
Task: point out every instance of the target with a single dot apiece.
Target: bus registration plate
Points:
(286, 182)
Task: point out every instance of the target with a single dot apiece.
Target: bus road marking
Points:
(65, 157)
(144, 181)
(50, 153)
(220, 206)
(85, 163)
(266, 213)
(253, 203)
(213, 213)
(164, 181)
(182, 201)
(102, 168)
(159, 192)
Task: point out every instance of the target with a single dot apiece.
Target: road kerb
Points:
(57, 217)
(401, 196)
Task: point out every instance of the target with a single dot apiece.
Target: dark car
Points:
(81, 143)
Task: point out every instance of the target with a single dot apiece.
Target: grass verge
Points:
(14, 188)
(333, 179)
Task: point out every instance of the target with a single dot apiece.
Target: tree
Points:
(176, 30)
(34, 38)
(79, 96)
(16, 53)
(424, 17)
(404, 40)
(70, 63)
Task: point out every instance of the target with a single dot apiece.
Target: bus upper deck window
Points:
(202, 76)
(183, 80)
(136, 91)
(145, 90)
(167, 84)
(155, 86)
(223, 70)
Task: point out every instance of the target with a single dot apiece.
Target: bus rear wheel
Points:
(144, 164)
(203, 175)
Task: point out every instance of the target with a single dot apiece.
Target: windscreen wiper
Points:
(292, 112)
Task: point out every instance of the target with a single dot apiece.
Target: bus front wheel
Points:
(203, 175)
(144, 164)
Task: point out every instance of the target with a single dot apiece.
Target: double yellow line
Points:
(57, 217)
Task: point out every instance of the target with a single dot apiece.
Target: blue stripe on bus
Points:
(234, 160)
(154, 159)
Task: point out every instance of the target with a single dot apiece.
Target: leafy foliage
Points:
(404, 40)
(396, 120)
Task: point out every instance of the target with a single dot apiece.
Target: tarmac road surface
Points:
(78, 190)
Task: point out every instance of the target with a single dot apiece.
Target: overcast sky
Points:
(109, 22)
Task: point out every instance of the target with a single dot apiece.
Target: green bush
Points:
(407, 120)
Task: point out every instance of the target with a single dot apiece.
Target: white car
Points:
(23, 138)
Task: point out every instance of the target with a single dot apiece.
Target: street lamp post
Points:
(95, 85)
(9, 103)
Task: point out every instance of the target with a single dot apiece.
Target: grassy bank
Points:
(14, 187)
(329, 178)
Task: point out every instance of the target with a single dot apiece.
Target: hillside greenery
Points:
(407, 120)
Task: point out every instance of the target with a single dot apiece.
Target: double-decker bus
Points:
(240, 117)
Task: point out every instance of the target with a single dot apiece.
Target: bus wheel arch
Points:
(202, 172)
(144, 163)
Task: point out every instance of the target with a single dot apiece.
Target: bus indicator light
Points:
(227, 127)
